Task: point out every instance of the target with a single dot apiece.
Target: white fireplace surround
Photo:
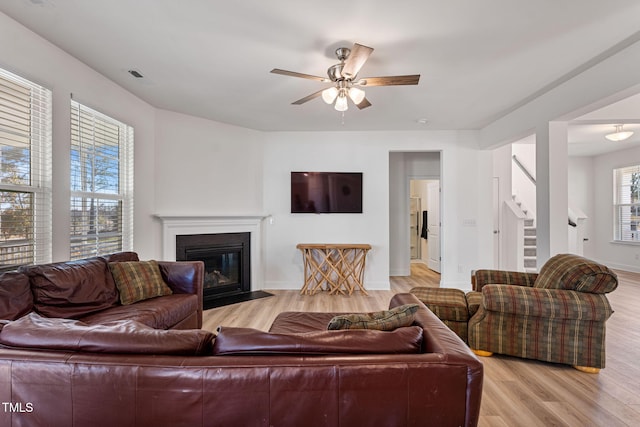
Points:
(174, 225)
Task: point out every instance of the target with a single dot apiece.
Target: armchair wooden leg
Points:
(587, 369)
(482, 353)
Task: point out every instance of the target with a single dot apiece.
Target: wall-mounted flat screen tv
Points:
(326, 192)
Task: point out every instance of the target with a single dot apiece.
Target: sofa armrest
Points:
(480, 278)
(438, 338)
(545, 303)
(185, 277)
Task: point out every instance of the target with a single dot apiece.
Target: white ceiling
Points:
(211, 59)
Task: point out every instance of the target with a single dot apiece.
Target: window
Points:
(627, 204)
(101, 184)
(25, 172)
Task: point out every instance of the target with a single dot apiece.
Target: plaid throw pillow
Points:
(386, 320)
(138, 280)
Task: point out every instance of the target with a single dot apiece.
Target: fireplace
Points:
(227, 262)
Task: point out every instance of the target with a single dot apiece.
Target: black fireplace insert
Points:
(227, 262)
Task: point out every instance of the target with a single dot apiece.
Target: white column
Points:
(552, 196)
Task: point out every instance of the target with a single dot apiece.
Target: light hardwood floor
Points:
(516, 392)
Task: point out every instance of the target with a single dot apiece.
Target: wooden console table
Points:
(339, 266)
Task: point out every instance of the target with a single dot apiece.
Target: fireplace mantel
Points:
(175, 225)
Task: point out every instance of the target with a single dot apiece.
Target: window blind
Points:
(627, 204)
(25, 172)
(101, 183)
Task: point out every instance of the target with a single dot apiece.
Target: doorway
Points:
(404, 167)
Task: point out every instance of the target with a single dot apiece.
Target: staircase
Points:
(530, 241)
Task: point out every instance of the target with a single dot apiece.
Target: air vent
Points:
(136, 74)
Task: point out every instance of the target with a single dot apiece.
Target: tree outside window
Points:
(101, 183)
(25, 172)
(627, 204)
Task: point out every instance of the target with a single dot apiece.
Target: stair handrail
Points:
(533, 180)
(524, 169)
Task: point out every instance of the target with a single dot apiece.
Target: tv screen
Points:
(326, 192)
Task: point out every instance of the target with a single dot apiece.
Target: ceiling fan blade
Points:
(301, 75)
(308, 98)
(390, 80)
(358, 56)
(364, 104)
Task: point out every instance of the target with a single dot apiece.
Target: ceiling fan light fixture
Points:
(329, 95)
(619, 134)
(341, 102)
(356, 95)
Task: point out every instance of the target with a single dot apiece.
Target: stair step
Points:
(530, 251)
(528, 232)
(530, 262)
(530, 241)
(528, 222)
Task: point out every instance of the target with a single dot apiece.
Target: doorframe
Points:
(404, 171)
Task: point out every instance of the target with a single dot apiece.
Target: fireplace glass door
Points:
(221, 266)
(227, 261)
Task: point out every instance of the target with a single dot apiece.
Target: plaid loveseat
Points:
(557, 315)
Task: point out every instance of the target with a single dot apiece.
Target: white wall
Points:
(206, 167)
(624, 256)
(581, 196)
(30, 56)
(399, 257)
(466, 177)
(330, 152)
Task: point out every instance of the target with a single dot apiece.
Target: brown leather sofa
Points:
(122, 372)
(85, 290)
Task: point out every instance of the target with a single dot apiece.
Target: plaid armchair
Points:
(557, 315)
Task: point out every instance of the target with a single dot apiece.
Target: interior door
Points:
(433, 225)
(414, 227)
(496, 223)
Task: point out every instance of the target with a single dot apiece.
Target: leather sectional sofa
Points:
(148, 364)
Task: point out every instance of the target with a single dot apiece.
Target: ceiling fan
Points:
(346, 84)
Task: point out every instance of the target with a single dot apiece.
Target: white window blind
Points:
(25, 172)
(627, 204)
(101, 184)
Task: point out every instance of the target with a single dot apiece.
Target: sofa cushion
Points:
(474, 301)
(572, 272)
(124, 336)
(386, 320)
(71, 289)
(239, 341)
(158, 313)
(138, 280)
(16, 298)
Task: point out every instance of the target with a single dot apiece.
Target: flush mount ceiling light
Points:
(619, 134)
(343, 76)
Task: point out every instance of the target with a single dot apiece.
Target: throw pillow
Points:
(138, 280)
(386, 320)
